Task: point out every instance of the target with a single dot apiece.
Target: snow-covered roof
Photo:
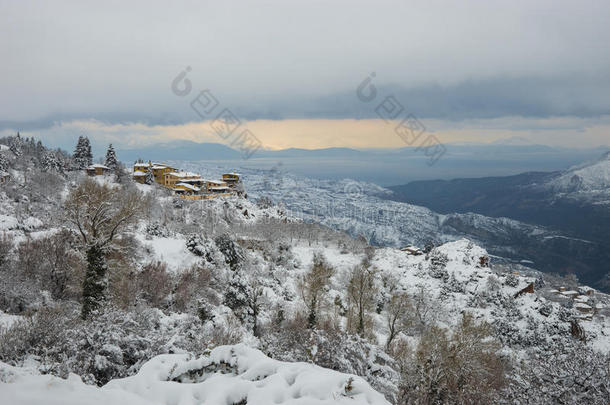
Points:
(98, 166)
(571, 292)
(231, 174)
(4, 147)
(582, 305)
(139, 173)
(189, 186)
(140, 165)
(184, 174)
(219, 188)
(220, 183)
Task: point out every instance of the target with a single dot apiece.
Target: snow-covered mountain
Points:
(584, 181)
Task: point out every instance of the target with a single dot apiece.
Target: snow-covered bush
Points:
(570, 373)
(511, 280)
(231, 251)
(203, 247)
(438, 264)
(156, 229)
(331, 348)
(462, 366)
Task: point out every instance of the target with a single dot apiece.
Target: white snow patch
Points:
(227, 375)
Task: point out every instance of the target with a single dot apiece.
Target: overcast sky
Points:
(95, 65)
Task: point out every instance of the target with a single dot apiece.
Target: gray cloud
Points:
(114, 61)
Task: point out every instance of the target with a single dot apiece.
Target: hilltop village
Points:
(186, 185)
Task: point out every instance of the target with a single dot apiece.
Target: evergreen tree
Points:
(119, 173)
(82, 154)
(150, 179)
(94, 285)
(4, 163)
(50, 162)
(111, 160)
(16, 145)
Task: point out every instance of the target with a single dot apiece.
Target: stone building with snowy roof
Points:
(97, 170)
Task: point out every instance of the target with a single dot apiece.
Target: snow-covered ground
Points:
(228, 375)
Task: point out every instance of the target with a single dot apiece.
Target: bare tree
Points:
(361, 291)
(399, 309)
(314, 286)
(100, 213)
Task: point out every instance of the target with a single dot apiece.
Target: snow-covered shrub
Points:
(438, 265)
(52, 264)
(332, 348)
(493, 283)
(154, 283)
(156, 229)
(264, 202)
(462, 366)
(203, 247)
(231, 251)
(6, 247)
(511, 280)
(569, 373)
(111, 344)
(31, 224)
(453, 285)
(193, 286)
(546, 308)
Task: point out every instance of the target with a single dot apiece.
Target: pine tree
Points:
(94, 284)
(111, 160)
(82, 154)
(16, 145)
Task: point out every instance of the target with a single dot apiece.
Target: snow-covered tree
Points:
(111, 160)
(150, 179)
(16, 145)
(50, 162)
(100, 213)
(82, 153)
(314, 287)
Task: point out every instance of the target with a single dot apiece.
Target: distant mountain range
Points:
(381, 166)
(575, 202)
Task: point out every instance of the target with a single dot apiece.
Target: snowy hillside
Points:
(586, 180)
(362, 209)
(227, 375)
(239, 301)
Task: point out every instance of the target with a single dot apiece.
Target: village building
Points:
(186, 189)
(231, 179)
(97, 170)
(159, 170)
(139, 176)
(174, 177)
(184, 184)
